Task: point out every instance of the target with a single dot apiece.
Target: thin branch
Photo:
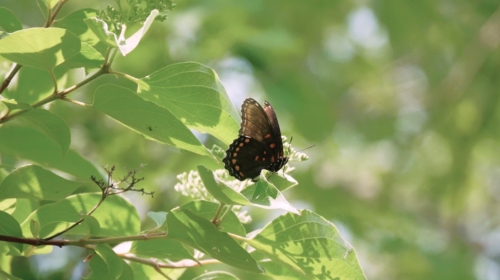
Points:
(56, 96)
(216, 221)
(54, 14)
(80, 242)
(126, 76)
(10, 76)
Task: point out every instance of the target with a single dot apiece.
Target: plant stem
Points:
(10, 76)
(215, 220)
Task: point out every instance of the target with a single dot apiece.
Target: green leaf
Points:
(158, 217)
(51, 125)
(8, 21)
(35, 182)
(308, 244)
(265, 195)
(89, 58)
(145, 117)
(197, 232)
(105, 264)
(219, 189)
(30, 144)
(113, 263)
(51, 3)
(275, 270)
(146, 272)
(194, 94)
(35, 228)
(9, 226)
(42, 48)
(100, 29)
(35, 84)
(161, 249)
(282, 183)
(74, 22)
(206, 210)
(93, 225)
(8, 276)
(116, 216)
(14, 105)
(216, 275)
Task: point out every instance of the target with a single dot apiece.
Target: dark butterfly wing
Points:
(259, 145)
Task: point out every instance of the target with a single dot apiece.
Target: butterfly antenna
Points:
(306, 148)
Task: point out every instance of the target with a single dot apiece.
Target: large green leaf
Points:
(31, 144)
(35, 182)
(206, 210)
(9, 226)
(219, 190)
(161, 249)
(42, 48)
(8, 21)
(116, 216)
(308, 244)
(51, 125)
(74, 22)
(145, 117)
(194, 94)
(88, 57)
(197, 232)
(105, 264)
(34, 84)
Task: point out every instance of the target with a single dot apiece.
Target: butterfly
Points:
(258, 146)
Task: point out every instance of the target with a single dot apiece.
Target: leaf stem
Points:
(10, 76)
(126, 76)
(216, 220)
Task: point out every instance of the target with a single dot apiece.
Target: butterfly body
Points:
(259, 145)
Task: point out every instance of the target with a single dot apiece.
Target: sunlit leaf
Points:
(207, 210)
(116, 217)
(197, 232)
(265, 195)
(74, 22)
(10, 227)
(42, 48)
(195, 95)
(35, 182)
(308, 244)
(219, 190)
(161, 249)
(145, 117)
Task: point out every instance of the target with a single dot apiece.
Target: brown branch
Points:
(80, 242)
(9, 77)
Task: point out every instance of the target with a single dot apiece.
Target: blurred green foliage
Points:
(399, 97)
